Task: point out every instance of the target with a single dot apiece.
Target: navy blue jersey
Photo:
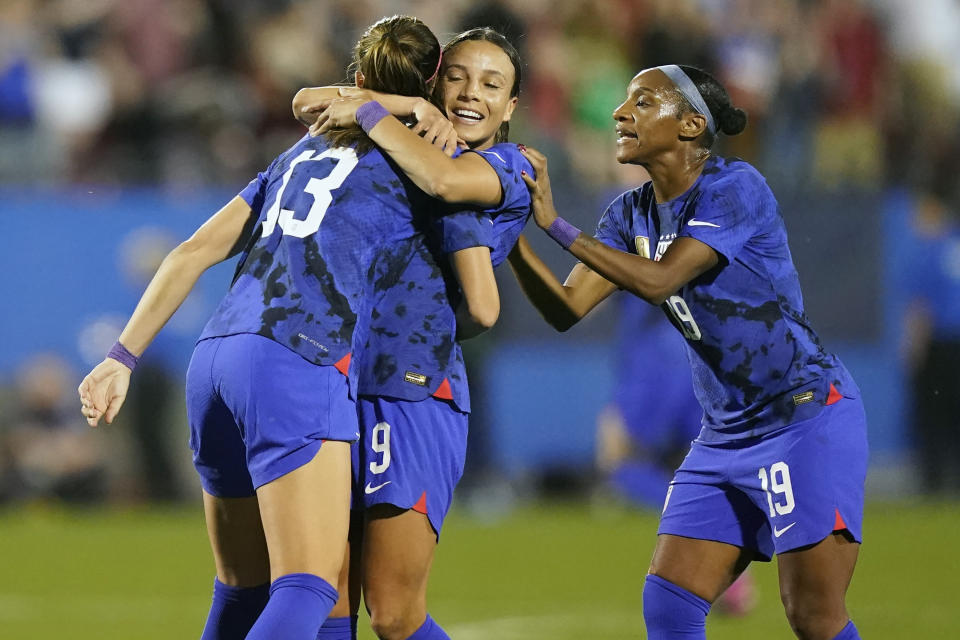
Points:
(323, 217)
(409, 349)
(757, 364)
(510, 216)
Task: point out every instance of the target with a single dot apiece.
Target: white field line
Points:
(597, 624)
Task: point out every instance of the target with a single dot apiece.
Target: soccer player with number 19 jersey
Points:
(780, 462)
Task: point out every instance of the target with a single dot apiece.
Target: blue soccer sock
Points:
(849, 632)
(429, 630)
(672, 612)
(338, 629)
(299, 603)
(234, 610)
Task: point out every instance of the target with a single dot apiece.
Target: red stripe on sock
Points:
(834, 395)
(421, 506)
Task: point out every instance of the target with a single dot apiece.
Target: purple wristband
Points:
(369, 114)
(120, 353)
(563, 232)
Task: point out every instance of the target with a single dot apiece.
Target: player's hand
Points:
(103, 391)
(434, 127)
(541, 197)
(310, 111)
(341, 113)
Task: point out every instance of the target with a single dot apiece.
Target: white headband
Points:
(689, 91)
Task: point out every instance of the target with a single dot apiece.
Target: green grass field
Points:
(557, 572)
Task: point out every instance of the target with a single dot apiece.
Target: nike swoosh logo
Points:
(368, 489)
(779, 532)
(693, 222)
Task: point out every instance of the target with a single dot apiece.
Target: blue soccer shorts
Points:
(258, 410)
(410, 454)
(780, 491)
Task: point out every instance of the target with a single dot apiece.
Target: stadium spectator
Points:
(49, 453)
(931, 339)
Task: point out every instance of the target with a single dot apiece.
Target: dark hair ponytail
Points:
(395, 55)
(491, 35)
(730, 119)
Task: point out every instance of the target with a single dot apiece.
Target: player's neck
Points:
(673, 174)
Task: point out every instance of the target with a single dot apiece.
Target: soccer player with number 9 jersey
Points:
(780, 462)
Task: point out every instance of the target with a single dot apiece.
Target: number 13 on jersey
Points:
(320, 188)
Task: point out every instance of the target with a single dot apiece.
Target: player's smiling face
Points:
(475, 88)
(647, 122)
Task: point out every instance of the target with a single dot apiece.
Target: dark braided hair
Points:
(730, 120)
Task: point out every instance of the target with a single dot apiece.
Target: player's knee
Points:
(395, 613)
(813, 616)
(393, 623)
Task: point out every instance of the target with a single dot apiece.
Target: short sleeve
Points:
(611, 230)
(510, 217)
(724, 219)
(255, 193)
(465, 229)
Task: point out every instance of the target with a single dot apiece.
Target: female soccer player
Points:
(780, 462)
(269, 403)
(413, 406)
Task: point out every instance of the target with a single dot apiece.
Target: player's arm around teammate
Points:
(666, 126)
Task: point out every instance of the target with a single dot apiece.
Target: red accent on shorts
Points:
(421, 506)
(838, 523)
(343, 365)
(444, 392)
(834, 396)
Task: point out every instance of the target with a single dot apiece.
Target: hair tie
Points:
(437, 70)
(689, 91)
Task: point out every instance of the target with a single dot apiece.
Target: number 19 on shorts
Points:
(776, 484)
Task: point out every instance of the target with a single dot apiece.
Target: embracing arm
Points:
(310, 102)
(561, 305)
(104, 389)
(480, 307)
(467, 179)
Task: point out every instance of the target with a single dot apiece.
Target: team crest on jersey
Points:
(415, 378)
(663, 244)
(643, 246)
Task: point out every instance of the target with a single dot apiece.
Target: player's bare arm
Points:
(104, 389)
(310, 102)
(480, 307)
(467, 179)
(562, 305)
(654, 281)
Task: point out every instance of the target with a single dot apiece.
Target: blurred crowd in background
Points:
(194, 92)
(843, 96)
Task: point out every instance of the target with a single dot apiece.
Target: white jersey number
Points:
(778, 482)
(346, 161)
(677, 307)
(380, 443)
